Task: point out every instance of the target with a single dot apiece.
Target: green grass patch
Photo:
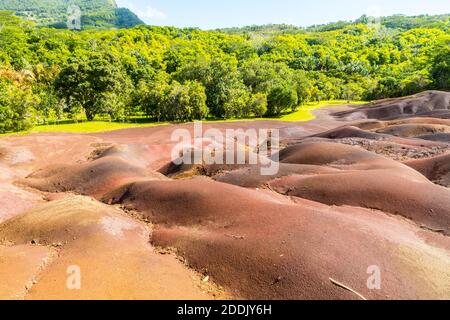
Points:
(303, 114)
(85, 127)
(92, 126)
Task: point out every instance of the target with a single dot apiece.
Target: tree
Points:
(352, 91)
(90, 84)
(185, 102)
(197, 107)
(386, 87)
(222, 82)
(150, 95)
(440, 71)
(282, 96)
(303, 87)
(416, 82)
(16, 108)
(257, 106)
(238, 99)
(259, 75)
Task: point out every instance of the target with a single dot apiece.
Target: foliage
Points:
(170, 74)
(94, 13)
(16, 103)
(94, 84)
(440, 71)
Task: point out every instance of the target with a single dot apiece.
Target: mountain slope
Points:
(54, 13)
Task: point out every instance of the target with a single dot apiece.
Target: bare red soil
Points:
(432, 103)
(356, 187)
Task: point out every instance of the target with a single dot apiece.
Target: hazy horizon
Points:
(232, 13)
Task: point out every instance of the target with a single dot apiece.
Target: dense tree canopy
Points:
(94, 84)
(440, 71)
(55, 13)
(170, 74)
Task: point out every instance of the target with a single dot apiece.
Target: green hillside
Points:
(399, 22)
(54, 13)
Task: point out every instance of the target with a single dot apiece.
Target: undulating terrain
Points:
(359, 186)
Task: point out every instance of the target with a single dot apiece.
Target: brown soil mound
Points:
(92, 178)
(14, 156)
(291, 235)
(406, 150)
(19, 266)
(444, 137)
(15, 200)
(399, 131)
(423, 120)
(110, 249)
(432, 103)
(400, 140)
(3, 153)
(260, 246)
(442, 114)
(384, 131)
(436, 169)
(250, 177)
(340, 156)
(176, 170)
(350, 132)
(136, 155)
(48, 148)
(379, 183)
(414, 130)
(426, 204)
(361, 178)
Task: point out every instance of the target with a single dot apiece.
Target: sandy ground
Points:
(108, 216)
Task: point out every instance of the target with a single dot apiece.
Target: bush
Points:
(185, 102)
(281, 98)
(257, 106)
(16, 108)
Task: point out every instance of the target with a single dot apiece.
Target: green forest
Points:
(99, 14)
(170, 74)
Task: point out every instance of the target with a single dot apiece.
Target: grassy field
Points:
(302, 115)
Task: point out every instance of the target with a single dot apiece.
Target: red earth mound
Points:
(384, 132)
(378, 183)
(340, 156)
(251, 177)
(338, 207)
(262, 246)
(432, 103)
(426, 204)
(443, 137)
(350, 132)
(361, 179)
(397, 139)
(436, 169)
(414, 130)
(92, 178)
(110, 251)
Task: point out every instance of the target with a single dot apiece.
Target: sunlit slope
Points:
(95, 13)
